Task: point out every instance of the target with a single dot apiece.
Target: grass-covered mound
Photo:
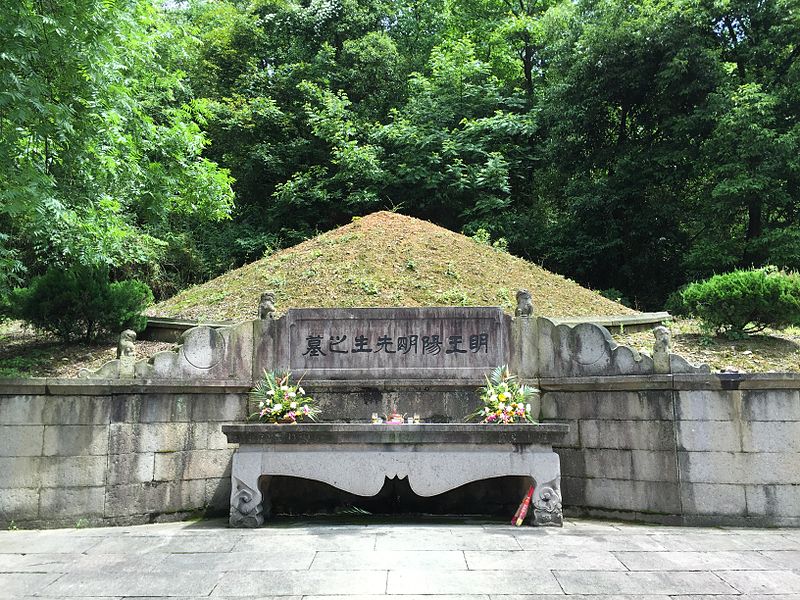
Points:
(386, 259)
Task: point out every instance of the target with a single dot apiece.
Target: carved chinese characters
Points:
(405, 343)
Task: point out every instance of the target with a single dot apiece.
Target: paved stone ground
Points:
(443, 561)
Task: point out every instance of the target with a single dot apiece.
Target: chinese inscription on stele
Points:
(403, 342)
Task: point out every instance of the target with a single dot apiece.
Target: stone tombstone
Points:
(451, 343)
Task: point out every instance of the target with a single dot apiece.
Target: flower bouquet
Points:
(279, 401)
(504, 399)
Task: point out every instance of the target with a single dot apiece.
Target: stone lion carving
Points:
(266, 307)
(661, 349)
(524, 304)
(125, 345)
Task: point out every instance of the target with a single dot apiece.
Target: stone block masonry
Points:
(740, 451)
(693, 449)
(99, 452)
(703, 449)
(650, 437)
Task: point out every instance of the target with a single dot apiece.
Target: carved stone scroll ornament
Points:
(547, 505)
(246, 505)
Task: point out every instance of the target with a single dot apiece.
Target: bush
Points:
(746, 301)
(81, 301)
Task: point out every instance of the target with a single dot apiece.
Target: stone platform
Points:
(403, 559)
(357, 458)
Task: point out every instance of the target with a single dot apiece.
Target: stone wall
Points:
(739, 449)
(652, 437)
(112, 452)
(691, 449)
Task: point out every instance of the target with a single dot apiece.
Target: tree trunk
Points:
(754, 230)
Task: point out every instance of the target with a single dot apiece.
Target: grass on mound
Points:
(386, 259)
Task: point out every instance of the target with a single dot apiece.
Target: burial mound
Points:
(386, 259)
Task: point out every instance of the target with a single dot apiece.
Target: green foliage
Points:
(629, 144)
(11, 270)
(745, 301)
(22, 366)
(82, 302)
(484, 237)
(100, 143)
(616, 296)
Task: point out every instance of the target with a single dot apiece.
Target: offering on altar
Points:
(395, 418)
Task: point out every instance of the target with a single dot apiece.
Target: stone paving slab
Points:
(307, 583)
(784, 559)
(471, 582)
(301, 542)
(453, 540)
(445, 560)
(163, 545)
(557, 558)
(385, 560)
(592, 542)
(744, 560)
(763, 582)
(115, 583)
(650, 582)
(24, 584)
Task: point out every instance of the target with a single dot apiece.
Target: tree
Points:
(99, 144)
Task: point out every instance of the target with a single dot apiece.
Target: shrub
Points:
(746, 301)
(81, 301)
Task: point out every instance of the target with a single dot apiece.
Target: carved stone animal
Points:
(125, 346)
(524, 304)
(661, 349)
(266, 307)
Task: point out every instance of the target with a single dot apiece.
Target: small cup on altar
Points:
(410, 420)
(416, 418)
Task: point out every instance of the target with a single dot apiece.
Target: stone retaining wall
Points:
(77, 453)
(691, 449)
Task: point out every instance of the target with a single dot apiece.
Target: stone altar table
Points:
(357, 458)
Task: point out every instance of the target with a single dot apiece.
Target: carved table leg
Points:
(247, 508)
(246, 504)
(547, 504)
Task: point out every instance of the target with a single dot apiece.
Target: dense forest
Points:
(633, 145)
